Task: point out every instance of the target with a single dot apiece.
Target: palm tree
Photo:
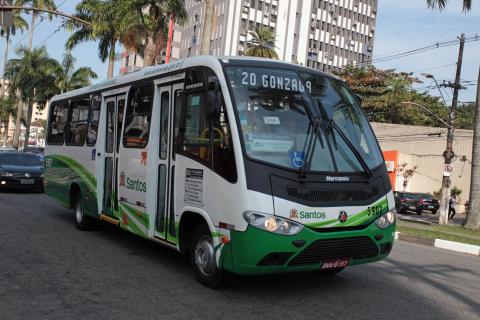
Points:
(441, 4)
(7, 109)
(33, 75)
(68, 78)
(144, 25)
(18, 24)
(39, 4)
(103, 16)
(262, 44)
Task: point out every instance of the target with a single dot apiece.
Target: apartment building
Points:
(322, 34)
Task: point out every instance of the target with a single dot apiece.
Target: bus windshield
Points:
(276, 108)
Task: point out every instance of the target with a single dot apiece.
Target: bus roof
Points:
(153, 71)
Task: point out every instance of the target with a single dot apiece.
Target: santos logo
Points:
(132, 184)
(337, 179)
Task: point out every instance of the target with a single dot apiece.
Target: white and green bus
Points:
(248, 165)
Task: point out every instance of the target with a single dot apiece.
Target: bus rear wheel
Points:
(82, 221)
(202, 256)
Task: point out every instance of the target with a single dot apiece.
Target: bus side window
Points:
(196, 140)
(93, 120)
(138, 116)
(58, 122)
(77, 125)
(223, 154)
(177, 112)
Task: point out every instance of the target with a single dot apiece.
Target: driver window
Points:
(207, 130)
(197, 132)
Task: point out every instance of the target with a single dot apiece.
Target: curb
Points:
(440, 243)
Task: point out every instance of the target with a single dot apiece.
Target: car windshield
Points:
(276, 106)
(415, 196)
(19, 159)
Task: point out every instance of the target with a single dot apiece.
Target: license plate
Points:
(27, 181)
(430, 207)
(412, 207)
(334, 264)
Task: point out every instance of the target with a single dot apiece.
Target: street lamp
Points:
(430, 76)
(427, 110)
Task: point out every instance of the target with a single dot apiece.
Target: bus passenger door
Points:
(170, 107)
(115, 108)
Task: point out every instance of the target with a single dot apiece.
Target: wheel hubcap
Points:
(79, 212)
(204, 256)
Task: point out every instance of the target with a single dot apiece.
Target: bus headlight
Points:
(386, 220)
(272, 223)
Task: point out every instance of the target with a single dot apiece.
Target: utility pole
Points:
(207, 28)
(448, 154)
(473, 215)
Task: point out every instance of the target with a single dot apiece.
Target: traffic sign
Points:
(447, 170)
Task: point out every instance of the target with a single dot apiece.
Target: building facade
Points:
(422, 148)
(322, 34)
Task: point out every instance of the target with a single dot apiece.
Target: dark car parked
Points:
(416, 202)
(20, 170)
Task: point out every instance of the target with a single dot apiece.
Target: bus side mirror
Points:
(214, 99)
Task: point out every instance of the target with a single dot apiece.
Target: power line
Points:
(435, 68)
(421, 50)
(28, 32)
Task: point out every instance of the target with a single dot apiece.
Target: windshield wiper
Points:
(354, 150)
(310, 143)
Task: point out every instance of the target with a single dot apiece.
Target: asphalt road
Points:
(50, 270)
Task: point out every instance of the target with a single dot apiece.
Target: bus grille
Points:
(331, 195)
(333, 249)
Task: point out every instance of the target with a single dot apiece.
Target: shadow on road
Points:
(110, 273)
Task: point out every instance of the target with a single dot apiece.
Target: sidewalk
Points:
(425, 229)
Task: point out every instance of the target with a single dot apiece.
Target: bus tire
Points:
(82, 221)
(203, 260)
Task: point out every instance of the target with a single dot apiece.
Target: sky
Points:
(401, 25)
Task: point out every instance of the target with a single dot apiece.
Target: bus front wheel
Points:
(82, 221)
(203, 259)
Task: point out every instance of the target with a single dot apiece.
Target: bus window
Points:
(177, 111)
(93, 120)
(120, 113)
(164, 100)
(58, 122)
(223, 155)
(138, 116)
(77, 125)
(197, 134)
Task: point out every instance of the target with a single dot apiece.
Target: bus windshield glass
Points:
(276, 108)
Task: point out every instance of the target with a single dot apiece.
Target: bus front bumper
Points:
(260, 252)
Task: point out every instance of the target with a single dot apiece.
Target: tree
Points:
(441, 4)
(33, 74)
(7, 109)
(144, 25)
(104, 17)
(67, 78)
(385, 96)
(40, 4)
(18, 24)
(262, 44)
(473, 217)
